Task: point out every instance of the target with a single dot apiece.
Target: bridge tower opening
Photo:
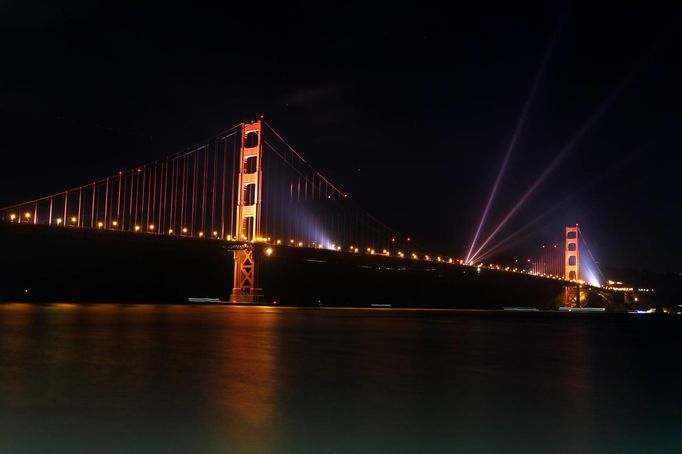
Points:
(249, 200)
(572, 266)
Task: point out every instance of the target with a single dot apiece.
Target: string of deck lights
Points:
(352, 249)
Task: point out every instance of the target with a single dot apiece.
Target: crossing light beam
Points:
(517, 132)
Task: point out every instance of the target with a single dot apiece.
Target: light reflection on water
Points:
(172, 378)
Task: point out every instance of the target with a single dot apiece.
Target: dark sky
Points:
(408, 107)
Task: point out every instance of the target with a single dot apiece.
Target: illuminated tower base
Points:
(245, 276)
(572, 296)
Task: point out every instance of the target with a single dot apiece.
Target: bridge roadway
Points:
(49, 264)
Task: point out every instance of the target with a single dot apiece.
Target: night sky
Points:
(409, 108)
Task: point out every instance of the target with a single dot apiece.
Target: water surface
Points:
(192, 379)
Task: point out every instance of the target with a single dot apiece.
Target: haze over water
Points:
(171, 378)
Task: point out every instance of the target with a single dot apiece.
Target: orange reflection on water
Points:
(246, 379)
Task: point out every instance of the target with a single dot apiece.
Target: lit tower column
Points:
(248, 214)
(572, 265)
(572, 255)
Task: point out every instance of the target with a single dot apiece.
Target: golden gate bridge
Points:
(248, 186)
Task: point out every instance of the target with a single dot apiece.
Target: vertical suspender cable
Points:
(80, 197)
(215, 177)
(224, 182)
(106, 204)
(203, 189)
(92, 211)
(118, 200)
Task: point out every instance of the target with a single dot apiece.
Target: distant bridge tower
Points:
(572, 266)
(572, 256)
(249, 198)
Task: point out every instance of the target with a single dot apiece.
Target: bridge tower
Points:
(572, 265)
(249, 199)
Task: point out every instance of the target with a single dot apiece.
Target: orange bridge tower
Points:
(249, 199)
(572, 266)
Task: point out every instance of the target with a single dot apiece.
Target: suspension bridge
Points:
(252, 192)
